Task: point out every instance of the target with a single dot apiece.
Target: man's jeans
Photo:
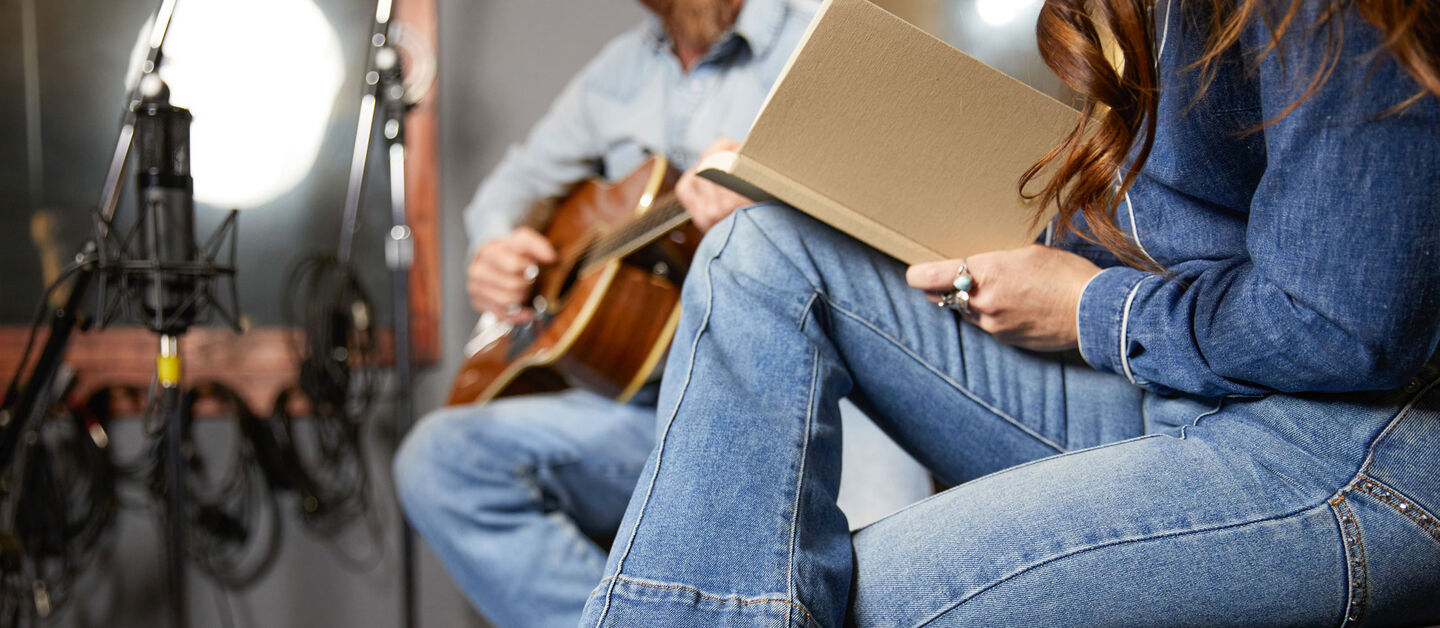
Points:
(510, 494)
(1081, 499)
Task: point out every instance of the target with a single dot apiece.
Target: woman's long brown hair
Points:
(1120, 99)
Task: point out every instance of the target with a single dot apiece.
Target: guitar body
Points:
(604, 326)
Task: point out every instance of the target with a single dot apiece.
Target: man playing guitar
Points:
(511, 493)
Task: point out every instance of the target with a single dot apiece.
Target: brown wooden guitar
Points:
(605, 313)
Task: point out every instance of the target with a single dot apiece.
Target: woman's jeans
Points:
(1081, 499)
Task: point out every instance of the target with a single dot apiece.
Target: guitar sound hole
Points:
(570, 278)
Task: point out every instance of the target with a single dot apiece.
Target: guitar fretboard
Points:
(665, 214)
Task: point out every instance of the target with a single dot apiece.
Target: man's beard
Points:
(694, 23)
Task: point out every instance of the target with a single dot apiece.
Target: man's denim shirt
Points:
(1304, 256)
(633, 100)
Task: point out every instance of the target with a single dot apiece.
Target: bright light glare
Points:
(1000, 12)
(260, 77)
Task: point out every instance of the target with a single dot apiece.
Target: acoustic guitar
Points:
(606, 311)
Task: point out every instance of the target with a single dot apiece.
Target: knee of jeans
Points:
(419, 464)
(761, 236)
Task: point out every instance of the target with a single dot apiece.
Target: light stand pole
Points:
(384, 89)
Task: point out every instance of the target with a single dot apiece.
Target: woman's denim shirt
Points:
(1302, 257)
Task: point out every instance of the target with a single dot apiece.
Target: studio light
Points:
(1000, 12)
(261, 77)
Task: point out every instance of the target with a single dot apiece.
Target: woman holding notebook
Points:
(1215, 399)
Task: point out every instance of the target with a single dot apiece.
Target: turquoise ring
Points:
(959, 298)
(963, 280)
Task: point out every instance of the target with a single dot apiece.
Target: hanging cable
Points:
(232, 518)
(322, 457)
(57, 501)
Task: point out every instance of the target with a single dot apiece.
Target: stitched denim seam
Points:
(790, 588)
(1119, 542)
(1356, 585)
(1164, 35)
(701, 594)
(670, 421)
(946, 378)
(1125, 329)
(1390, 427)
(1398, 502)
(1135, 229)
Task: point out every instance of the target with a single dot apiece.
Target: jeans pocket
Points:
(1392, 556)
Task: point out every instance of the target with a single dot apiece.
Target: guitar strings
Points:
(602, 249)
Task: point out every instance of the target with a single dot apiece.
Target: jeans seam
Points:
(1356, 585)
(670, 421)
(946, 378)
(790, 588)
(1229, 526)
(1390, 426)
(701, 594)
(1397, 501)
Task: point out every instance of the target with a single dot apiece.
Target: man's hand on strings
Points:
(708, 202)
(1028, 297)
(501, 275)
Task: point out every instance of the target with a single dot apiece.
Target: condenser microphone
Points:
(166, 196)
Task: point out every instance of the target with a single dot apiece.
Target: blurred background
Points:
(274, 87)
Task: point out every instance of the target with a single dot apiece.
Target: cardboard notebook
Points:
(899, 140)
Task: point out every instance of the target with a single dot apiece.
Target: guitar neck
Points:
(664, 215)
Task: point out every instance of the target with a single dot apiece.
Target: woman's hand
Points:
(1028, 297)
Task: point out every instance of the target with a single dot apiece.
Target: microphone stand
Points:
(100, 256)
(167, 365)
(384, 88)
(66, 318)
(30, 402)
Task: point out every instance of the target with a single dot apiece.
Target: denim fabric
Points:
(512, 495)
(1257, 441)
(633, 100)
(1083, 500)
(506, 494)
(1305, 257)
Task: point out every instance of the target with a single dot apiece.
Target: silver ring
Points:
(513, 309)
(956, 300)
(959, 298)
(963, 281)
